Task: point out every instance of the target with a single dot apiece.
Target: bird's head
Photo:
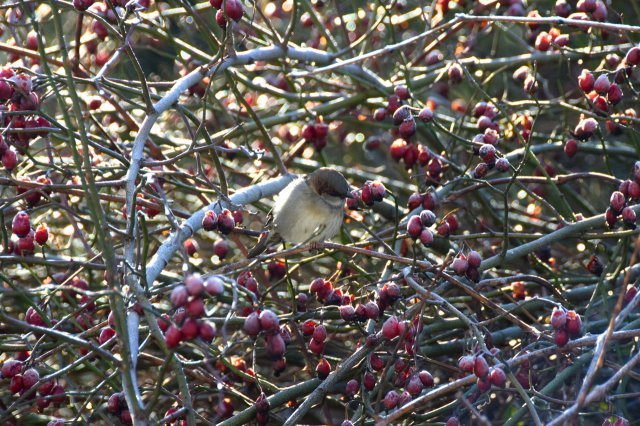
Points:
(329, 183)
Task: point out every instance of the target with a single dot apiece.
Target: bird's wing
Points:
(267, 237)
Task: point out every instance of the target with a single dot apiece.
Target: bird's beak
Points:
(349, 195)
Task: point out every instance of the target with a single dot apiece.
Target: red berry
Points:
(234, 9)
(252, 324)
(595, 266)
(407, 128)
(42, 234)
(376, 362)
(480, 367)
(316, 347)
(190, 329)
(586, 81)
(571, 147)
(425, 114)
(369, 381)
(586, 128)
(380, 114)
(602, 84)
(323, 369)
(574, 323)
(206, 331)
(561, 337)
(214, 286)
(10, 159)
(268, 320)
(210, 221)
(190, 246)
(483, 384)
(372, 311)
(453, 421)
(558, 318)
(163, 322)
(194, 284)
(30, 378)
(106, 334)
(502, 165)
(614, 95)
(414, 226)
(630, 294)
(173, 336)
(226, 222)
(426, 378)
(460, 265)
(393, 103)
(15, 385)
(415, 385)
(633, 56)
(320, 333)
(195, 308)
(21, 224)
(308, 327)
(402, 92)
(276, 346)
(352, 388)
(629, 218)
(179, 296)
(391, 400)
(347, 312)
(391, 328)
(498, 377)
(113, 404)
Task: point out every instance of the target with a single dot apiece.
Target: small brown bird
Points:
(309, 209)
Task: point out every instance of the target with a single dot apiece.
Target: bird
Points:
(308, 209)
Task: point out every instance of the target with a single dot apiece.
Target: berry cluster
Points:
(316, 134)
(467, 265)
(27, 381)
(566, 324)
(224, 222)
(17, 95)
(370, 193)
(267, 323)
(117, 405)
(487, 376)
(188, 301)
(24, 245)
(233, 9)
